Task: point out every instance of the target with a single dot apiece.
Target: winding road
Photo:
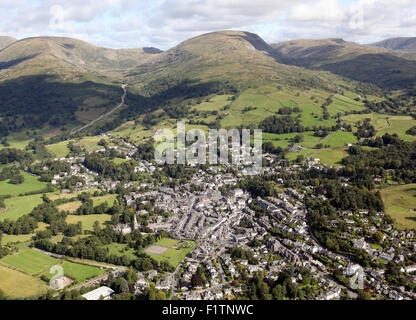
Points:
(124, 86)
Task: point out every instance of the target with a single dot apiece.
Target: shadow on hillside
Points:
(12, 63)
(31, 102)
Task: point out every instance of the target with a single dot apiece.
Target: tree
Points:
(364, 295)
(17, 179)
(124, 286)
(378, 237)
(197, 280)
(300, 158)
(96, 227)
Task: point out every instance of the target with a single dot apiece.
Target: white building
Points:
(97, 294)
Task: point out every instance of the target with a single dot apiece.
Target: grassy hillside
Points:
(402, 43)
(400, 203)
(371, 64)
(227, 79)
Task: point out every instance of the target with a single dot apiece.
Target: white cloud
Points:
(164, 23)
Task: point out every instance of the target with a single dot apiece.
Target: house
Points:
(331, 294)
(152, 274)
(409, 269)
(386, 256)
(352, 269)
(123, 229)
(104, 293)
(164, 284)
(140, 285)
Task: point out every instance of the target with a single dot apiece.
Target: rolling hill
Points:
(75, 79)
(37, 55)
(371, 64)
(239, 57)
(402, 44)
(78, 81)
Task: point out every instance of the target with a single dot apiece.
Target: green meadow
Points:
(88, 221)
(386, 124)
(400, 203)
(20, 285)
(77, 271)
(175, 253)
(30, 184)
(119, 249)
(29, 261)
(19, 206)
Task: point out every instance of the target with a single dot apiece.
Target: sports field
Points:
(77, 271)
(29, 261)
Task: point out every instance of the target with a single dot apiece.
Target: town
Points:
(239, 239)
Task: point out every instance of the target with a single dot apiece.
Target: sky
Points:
(166, 23)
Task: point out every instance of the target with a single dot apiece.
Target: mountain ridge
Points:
(399, 43)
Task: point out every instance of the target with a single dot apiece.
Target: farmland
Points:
(386, 124)
(19, 285)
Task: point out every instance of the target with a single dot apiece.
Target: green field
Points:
(268, 99)
(21, 238)
(61, 150)
(6, 238)
(400, 203)
(88, 221)
(119, 250)
(340, 138)
(19, 285)
(29, 261)
(70, 195)
(173, 255)
(331, 157)
(74, 205)
(343, 104)
(386, 124)
(19, 206)
(77, 271)
(109, 198)
(304, 152)
(30, 184)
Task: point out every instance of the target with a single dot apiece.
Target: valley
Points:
(80, 188)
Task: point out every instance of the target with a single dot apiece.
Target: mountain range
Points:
(73, 76)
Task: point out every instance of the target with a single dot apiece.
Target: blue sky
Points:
(165, 23)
